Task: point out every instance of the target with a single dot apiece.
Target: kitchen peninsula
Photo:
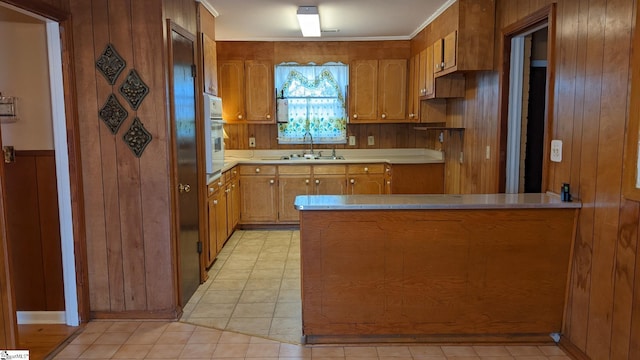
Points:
(401, 268)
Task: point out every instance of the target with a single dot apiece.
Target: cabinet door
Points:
(363, 91)
(258, 199)
(449, 51)
(210, 65)
(413, 100)
(234, 200)
(230, 193)
(260, 91)
(438, 56)
(392, 89)
(220, 203)
(426, 73)
(210, 249)
(231, 89)
(290, 187)
(330, 184)
(373, 184)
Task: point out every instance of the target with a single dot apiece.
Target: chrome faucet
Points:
(310, 140)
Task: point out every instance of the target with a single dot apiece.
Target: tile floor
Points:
(250, 309)
(253, 287)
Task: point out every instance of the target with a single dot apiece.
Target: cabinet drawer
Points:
(366, 169)
(294, 170)
(258, 170)
(329, 169)
(212, 188)
(232, 173)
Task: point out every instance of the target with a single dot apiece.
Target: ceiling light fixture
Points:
(309, 21)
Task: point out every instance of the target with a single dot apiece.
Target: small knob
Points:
(257, 170)
(240, 117)
(384, 116)
(388, 182)
(233, 186)
(442, 65)
(210, 190)
(317, 181)
(306, 181)
(366, 169)
(219, 183)
(272, 181)
(411, 116)
(268, 116)
(353, 181)
(355, 116)
(227, 190)
(215, 202)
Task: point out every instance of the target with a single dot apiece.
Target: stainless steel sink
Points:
(307, 157)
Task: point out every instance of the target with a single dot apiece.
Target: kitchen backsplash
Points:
(385, 136)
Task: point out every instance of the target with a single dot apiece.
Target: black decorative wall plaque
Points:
(134, 89)
(137, 137)
(113, 114)
(110, 64)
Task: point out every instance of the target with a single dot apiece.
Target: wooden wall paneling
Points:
(617, 30)
(150, 55)
(625, 264)
(634, 333)
(50, 231)
(582, 265)
(128, 167)
(98, 252)
(23, 223)
(304, 52)
(8, 321)
(388, 135)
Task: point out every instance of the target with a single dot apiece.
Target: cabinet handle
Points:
(317, 182)
(388, 182)
(210, 190)
(272, 181)
(257, 170)
(355, 116)
(233, 186)
(215, 202)
(306, 181)
(268, 117)
(366, 169)
(240, 117)
(411, 116)
(227, 190)
(353, 181)
(219, 183)
(384, 116)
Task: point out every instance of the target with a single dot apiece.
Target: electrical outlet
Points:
(556, 150)
(252, 142)
(487, 154)
(352, 140)
(371, 140)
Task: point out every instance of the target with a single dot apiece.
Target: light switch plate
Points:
(352, 140)
(371, 140)
(556, 150)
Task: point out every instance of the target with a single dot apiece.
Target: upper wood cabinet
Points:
(247, 91)
(210, 65)
(413, 99)
(430, 87)
(464, 37)
(378, 90)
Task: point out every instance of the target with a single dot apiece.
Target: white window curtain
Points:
(312, 100)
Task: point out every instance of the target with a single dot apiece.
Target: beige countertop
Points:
(431, 202)
(391, 156)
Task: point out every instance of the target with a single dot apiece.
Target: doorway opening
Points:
(526, 102)
(54, 103)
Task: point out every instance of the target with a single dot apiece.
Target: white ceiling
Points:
(275, 20)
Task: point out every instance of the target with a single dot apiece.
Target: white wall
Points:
(24, 73)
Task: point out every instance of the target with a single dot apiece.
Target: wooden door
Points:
(291, 186)
(438, 56)
(392, 89)
(450, 50)
(260, 91)
(231, 89)
(184, 133)
(210, 65)
(258, 194)
(363, 91)
(413, 100)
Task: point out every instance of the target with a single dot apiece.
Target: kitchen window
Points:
(311, 100)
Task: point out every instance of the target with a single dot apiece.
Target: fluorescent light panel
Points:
(309, 21)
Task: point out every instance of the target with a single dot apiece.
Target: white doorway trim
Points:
(514, 127)
(54, 53)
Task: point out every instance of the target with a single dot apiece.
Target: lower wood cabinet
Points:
(329, 180)
(292, 181)
(223, 206)
(258, 194)
(366, 179)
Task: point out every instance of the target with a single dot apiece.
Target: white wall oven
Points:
(213, 135)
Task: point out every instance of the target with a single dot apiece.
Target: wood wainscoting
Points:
(34, 231)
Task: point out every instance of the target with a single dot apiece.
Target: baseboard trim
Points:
(571, 349)
(170, 315)
(41, 317)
